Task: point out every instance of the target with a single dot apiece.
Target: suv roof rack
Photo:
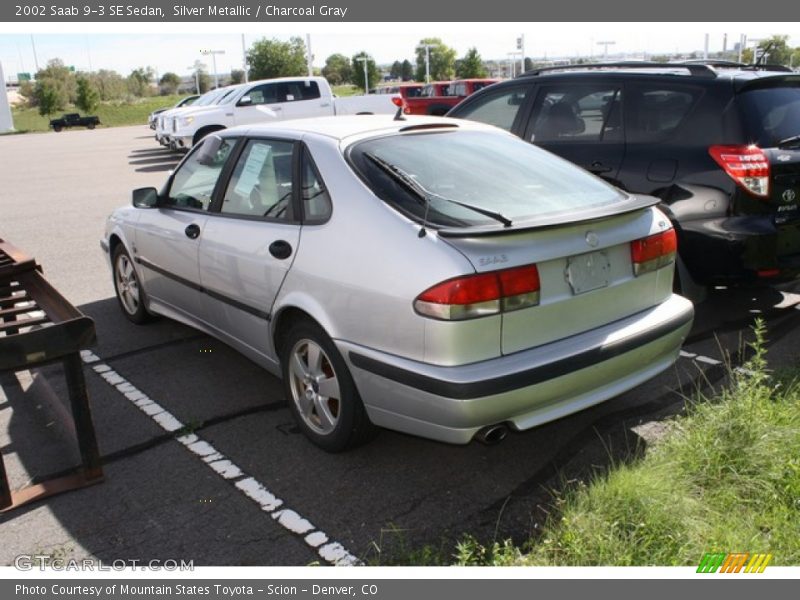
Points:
(732, 64)
(697, 70)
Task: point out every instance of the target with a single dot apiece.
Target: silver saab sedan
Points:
(432, 276)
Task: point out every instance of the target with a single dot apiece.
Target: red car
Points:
(438, 97)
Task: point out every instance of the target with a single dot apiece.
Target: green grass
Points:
(112, 114)
(347, 90)
(725, 478)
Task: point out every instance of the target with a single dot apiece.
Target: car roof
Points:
(343, 127)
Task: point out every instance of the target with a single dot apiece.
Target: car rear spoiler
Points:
(768, 81)
(633, 203)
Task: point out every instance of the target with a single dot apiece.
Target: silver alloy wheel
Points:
(127, 284)
(314, 386)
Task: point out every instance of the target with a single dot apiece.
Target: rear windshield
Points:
(772, 114)
(488, 170)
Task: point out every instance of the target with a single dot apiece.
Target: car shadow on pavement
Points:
(155, 160)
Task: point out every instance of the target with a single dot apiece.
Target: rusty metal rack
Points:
(39, 326)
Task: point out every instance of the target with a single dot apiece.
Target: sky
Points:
(175, 47)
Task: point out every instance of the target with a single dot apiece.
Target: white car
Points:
(437, 277)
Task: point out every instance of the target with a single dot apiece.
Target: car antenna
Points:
(398, 102)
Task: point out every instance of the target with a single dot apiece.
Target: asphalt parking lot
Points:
(240, 485)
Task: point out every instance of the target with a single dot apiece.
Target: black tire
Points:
(91, 125)
(57, 128)
(130, 294)
(352, 426)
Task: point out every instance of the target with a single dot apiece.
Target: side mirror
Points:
(245, 101)
(145, 197)
(208, 155)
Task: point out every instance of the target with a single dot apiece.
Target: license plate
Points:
(587, 272)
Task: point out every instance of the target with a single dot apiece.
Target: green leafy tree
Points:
(338, 69)
(776, 47)
(442, 60)
(139, 81)
(48, 98)
(60, 78)
(88, 97)
(109, 84)
(528, 64)
(237, 76)
(471, 65)
(407, 71)
(169, 83)
(396, 70)
(373, 73)
(274, 58)
(203, 79)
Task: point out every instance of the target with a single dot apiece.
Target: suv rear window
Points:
(772, 114)
(487, 170)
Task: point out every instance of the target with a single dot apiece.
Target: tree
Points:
(338, 69)
(237, 76)
(88, 97)
(777, 50)
(169, 83)
(203, 79)
(139, 81)
(407, 71)
(48, 98)
(274, 58)
(373, 74)
(61, 79)
(396, 71)
(442, 60)
(109, 84)
(528, 64)
(471, 66)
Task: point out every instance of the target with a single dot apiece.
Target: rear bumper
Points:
(741, 250)
(524, 389)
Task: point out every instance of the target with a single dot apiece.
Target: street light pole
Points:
(197, 66)
(427, 48)
(605, 47)
(244, 60)
(364, 60)
(213, 54)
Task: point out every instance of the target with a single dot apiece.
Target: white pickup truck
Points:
(271, 100)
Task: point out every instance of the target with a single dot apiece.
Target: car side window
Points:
(300, 90)
(261, 184)
(499, 108)
(264, 94)
(316, 200)
(577, 113)
(655, 112)
(194, 182)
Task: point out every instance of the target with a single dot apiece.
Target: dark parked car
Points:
(718, 143)
(74, 120)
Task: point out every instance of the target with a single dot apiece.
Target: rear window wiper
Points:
(425, 195)
(789, 141)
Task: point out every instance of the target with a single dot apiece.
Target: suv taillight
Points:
(653, 252)
(481, 294)
(747, 165)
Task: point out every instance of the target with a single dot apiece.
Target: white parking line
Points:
(332, 552)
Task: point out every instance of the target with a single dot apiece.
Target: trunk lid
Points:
(585, 271)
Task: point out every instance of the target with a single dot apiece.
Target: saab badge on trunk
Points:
(592, 239)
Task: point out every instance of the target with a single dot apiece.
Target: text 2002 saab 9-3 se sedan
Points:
(432, 276)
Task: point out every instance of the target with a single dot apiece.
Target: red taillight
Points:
(481, 294)
(653, 252)
(747, 165)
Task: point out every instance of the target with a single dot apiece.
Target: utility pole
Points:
(705, 49)
(605, 46)
(427, 48)
(742, 44)
(521, 48)
(309, 57)
(244, 60)
(213, 54)
(365, 59)
(6, 122)
(35, 58)
(197, 66)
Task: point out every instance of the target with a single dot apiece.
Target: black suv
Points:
(719, 143)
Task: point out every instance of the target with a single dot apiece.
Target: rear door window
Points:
(570, 113)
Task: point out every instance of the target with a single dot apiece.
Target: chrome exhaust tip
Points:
(492, 434)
